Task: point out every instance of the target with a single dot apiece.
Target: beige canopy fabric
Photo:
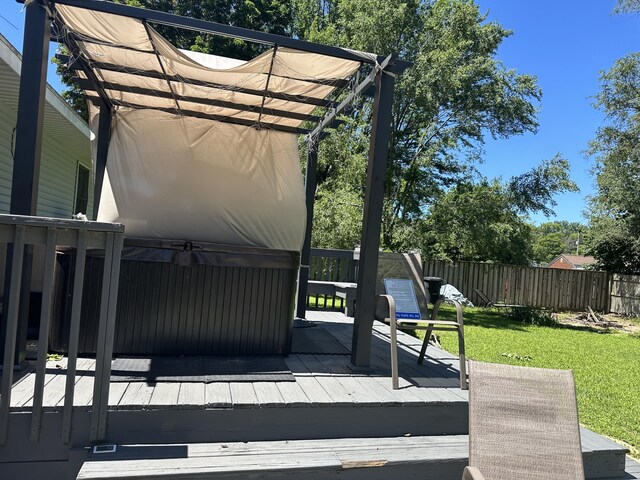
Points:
(190, 179)
(185, 161)
(128, 56)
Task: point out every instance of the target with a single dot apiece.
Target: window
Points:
(82, 189)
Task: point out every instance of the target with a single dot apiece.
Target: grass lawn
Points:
(606, 366)
(325, 302)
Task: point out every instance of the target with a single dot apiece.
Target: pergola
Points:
(280, 90)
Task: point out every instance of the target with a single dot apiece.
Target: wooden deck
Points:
(328, 403)
(321, 380)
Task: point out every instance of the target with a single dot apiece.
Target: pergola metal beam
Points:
(206, 116)
(310, 184)
(86, 85)
(215, 28)
(26, 161)
(372, 219)
(360, 89)
(102, 152)
(319, 102)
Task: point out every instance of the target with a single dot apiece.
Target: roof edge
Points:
(12, 57)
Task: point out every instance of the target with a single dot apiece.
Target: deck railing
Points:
(332, 266)
(21, 233)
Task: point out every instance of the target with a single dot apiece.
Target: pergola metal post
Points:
(26, 162)
(372, 220)
(310, 184)
(102, 151)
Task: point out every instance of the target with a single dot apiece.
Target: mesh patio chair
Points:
(523, 423)
(408, 267)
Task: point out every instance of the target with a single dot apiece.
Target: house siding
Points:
(56, 194)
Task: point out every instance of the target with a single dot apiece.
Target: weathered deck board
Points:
(295, 458)
(268, 394)
(136, 397)
(165, 394)
(218, 395)
(339, 395)
(307, 382)
(292, 394)
(191, 393)
(243, 395)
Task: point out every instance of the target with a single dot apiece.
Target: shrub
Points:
(532, 316)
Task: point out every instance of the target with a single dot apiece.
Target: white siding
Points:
(7, 122)
(56, 195)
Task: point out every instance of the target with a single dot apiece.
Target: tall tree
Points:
(615, 208)
(614, 211)
(456, 93)
(487, 220)
(553, 238)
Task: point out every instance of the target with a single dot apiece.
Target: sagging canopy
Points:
(202, 148)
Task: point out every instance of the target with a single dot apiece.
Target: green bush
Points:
(532, 316)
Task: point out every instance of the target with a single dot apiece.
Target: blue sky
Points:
(565, 43)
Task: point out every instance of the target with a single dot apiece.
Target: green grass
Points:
(606, 366)
(323, 302)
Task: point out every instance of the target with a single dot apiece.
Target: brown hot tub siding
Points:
(227, 301)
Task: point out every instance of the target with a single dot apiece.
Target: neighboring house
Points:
(66, 185)
(65, 171)
(571, 262)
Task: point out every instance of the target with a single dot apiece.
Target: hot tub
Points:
(185, 298)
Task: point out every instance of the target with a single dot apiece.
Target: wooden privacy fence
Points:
(515, 285)
(21, 234)
(531, 286)
(625, 294)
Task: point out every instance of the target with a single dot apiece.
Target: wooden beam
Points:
(102, 152)
(26, 161)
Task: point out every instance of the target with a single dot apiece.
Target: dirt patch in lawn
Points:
(599, 322)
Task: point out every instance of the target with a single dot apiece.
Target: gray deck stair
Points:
(424, 457)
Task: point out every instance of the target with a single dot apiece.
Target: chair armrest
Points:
(458, 305)
(472, 473)
(387, 314)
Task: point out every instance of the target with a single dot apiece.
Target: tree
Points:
(553, 238)
(627, 6)
(615, 208)
(487, 220)
(456, 93)
(475, 221)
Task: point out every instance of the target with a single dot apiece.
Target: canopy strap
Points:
(164, 72)
(266, 87)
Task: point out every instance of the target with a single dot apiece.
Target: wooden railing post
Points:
(20, 233)
(106, 328)
(43, 337)
(11, 330)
